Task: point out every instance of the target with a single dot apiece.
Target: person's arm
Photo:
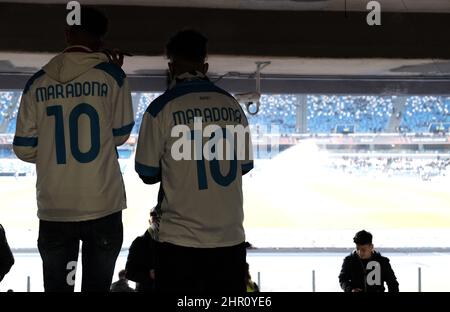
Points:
(6, 256)
(345, 276)
(247, 162)
(119, 100)
(136, 268)
(150, 148)
(26, 137)
(123, 116)
(390, 278)
(150, 180)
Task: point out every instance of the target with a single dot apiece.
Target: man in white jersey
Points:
(73, 113)
(200, 204)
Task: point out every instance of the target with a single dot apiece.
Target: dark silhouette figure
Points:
(201, 240)
(73, 114)
(122, 284)
(140, 267)
(6, 256)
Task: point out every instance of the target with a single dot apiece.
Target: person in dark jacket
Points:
(6, 256)
(122, 284)
(141, 259)
(140, 263)
(366, 270)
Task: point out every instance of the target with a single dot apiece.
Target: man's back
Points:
(202, 198)
(72, 115)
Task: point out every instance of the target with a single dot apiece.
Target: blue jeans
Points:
(59, 244)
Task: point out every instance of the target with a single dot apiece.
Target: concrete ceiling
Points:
(302, 44)
(437, 6)
(297, 34)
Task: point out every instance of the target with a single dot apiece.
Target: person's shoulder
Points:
(220, 90)
(160, 102)
(379, 257)
(113, 70)
(114, 285)
(138, 241)
(179, 90)
(32, 80)
(157, 105)
(350, 257)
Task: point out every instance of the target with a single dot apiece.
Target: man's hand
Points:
(356, 290)
(115, 56)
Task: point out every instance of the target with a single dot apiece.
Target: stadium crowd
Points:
(392, 166)
(369, 114)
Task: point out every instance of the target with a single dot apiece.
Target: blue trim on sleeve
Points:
(32, 80)
(247, 167)
(182, 89)
(123, 130)
(146, 171)
(114, 71)
(24, 141)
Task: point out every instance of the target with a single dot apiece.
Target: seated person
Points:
(366, 270)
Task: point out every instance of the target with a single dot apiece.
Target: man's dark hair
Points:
(363, 238)
(122, 274)
(93, 22)
(188, 45)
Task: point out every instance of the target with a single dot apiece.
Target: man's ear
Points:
(205, 68)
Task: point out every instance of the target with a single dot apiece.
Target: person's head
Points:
(364, 246)
(123, 275)
(153, 216)
(187, 52)
(90, 33)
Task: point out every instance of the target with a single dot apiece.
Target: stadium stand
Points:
(366, 113)
(421, 112)
(326, 113)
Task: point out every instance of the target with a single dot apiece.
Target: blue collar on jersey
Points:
(188, 76)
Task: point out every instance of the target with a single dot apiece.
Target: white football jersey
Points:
(200, 202)
(73, 113)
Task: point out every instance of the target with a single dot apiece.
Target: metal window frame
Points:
(281, 84)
